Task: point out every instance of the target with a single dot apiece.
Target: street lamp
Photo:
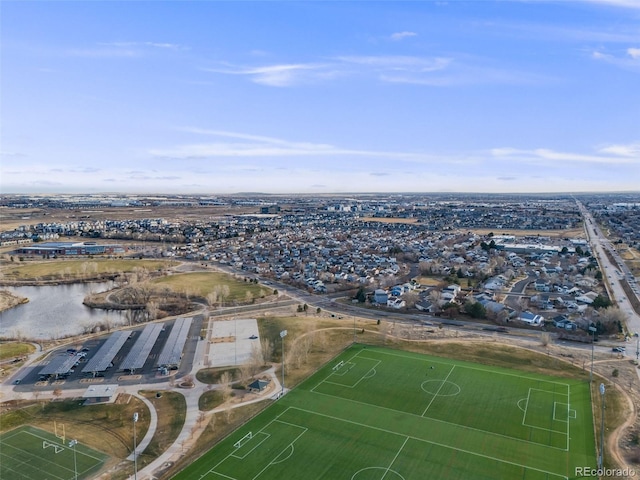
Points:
(135, 456)
(283, 334)
(592, 330)
(637, 345)
(601, 457)
(72, 444)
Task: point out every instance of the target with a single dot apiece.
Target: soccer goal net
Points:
(243, 440)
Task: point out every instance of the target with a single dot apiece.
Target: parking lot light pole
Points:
(135, 456)
(283, 334)
(601, 457)
(73, 444)
(592, 330)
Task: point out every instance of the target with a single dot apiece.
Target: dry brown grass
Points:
(568, 233)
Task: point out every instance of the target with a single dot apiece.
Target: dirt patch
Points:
(231, 339)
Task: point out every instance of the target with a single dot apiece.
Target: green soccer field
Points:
(28, 453)
(381, 414)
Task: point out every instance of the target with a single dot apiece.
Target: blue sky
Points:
(333, 96)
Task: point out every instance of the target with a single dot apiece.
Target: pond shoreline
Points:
(8, 300)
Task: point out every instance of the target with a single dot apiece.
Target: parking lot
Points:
(74, 358)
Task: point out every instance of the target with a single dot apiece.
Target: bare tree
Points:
(152, 310)
(225, 386)
(267, 349)
(257, 358)
(212, 422)
(212, 298)
(410, 299)
(612, 319)
(248, 297)
(545, 338)
(244, 371)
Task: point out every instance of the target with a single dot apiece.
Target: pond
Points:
(56, 311)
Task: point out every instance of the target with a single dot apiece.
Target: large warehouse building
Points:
(72, 248)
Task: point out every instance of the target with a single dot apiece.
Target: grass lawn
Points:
(28, 453)
(210, 400)
(15, 349)
(374, 413)
(203, 283)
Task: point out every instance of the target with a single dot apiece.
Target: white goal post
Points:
(243, 440)
(56, 448)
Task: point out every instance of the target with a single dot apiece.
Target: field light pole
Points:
(73, 444)
(601, 457)
(135, 456)
(283, 334)
(592, 330)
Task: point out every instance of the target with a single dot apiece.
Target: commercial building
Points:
(72, 248)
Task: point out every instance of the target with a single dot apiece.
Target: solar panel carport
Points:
(141, 349)
(60, 365)
(103, 357)
(172, 351)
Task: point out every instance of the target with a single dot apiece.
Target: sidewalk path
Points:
(193, 428)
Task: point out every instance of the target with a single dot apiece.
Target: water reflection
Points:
(55, 311)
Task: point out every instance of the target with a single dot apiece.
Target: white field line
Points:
(363, 377)
(395, 458)
(65, 446)
(409, 437)
(466, 427)
(486, 370)
(438, 392)
(259, 432)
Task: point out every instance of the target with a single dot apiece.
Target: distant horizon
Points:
(316, 97)
(308, 194)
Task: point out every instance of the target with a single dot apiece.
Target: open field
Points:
(11, 218)
(28, 453)
(568, 233)
(77, 269)
(202, 283)
(631, 257)
(375, 413)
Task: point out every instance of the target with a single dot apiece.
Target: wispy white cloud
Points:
(123, 49)
(398, 62)
(609, 155)
(631, 150)
(419, 70)
(160, 45)
(617, 3)
(634, 53)
(402, 35)
(104, 52)
(279, 75)
(629, 60)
